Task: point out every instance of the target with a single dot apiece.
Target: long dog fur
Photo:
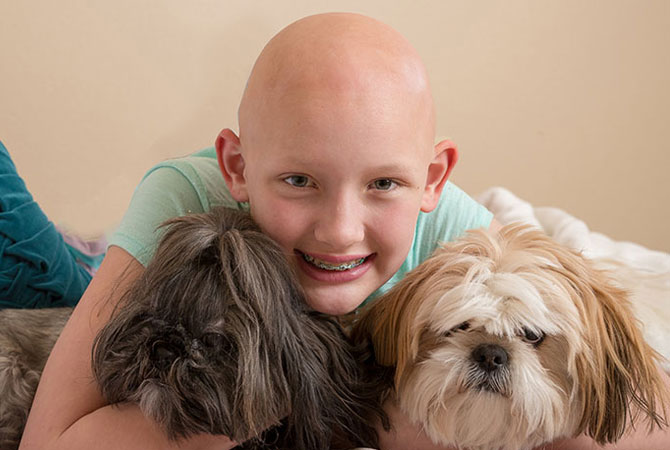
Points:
(215, 337)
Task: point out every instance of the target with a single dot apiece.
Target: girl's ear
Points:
(439, 170)
(231, 163)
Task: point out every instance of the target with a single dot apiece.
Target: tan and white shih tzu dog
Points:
(214, 337)
(509, 340)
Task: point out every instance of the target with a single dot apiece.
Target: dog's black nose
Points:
(490, 357)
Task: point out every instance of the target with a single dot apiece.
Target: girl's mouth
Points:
(334, 269)
(339, 267)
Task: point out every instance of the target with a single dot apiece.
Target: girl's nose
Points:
(340, 225)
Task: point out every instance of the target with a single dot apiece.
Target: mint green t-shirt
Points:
(194, 184)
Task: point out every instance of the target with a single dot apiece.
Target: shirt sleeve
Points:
(455, 214)
(164, 193)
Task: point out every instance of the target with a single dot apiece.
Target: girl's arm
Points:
(404, 434)
(68, 411)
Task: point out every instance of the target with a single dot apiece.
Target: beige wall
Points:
(566, 103)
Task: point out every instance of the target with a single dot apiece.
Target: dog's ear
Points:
(392, 322)
(619, 379)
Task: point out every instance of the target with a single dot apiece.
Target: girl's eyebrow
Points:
(385, 169)
(391, 168)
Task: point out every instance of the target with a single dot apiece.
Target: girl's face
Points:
(340, 191)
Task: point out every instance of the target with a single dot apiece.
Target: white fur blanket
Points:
(644, 272)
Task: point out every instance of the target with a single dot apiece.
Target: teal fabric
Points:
(194, 184)
(172, 188)
(36, 268)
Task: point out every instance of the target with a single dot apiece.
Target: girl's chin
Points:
(335, 305)
(337, 293)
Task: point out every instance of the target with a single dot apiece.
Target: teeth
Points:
(337, 267)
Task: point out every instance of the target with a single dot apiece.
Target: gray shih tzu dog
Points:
(214, 337)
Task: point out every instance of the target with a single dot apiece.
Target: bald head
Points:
(326, 63)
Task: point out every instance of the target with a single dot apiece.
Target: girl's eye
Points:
(297, 180)
(384, 184)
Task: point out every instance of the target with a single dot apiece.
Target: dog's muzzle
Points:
(491, 364)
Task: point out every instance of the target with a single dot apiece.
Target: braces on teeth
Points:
(339, 267)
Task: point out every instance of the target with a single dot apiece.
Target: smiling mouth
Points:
(347, 265)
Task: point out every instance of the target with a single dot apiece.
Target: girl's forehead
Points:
(393, 155)
(359, 137)
(309, 115)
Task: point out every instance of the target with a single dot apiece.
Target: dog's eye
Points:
(212, 340)
(532, 337)
(462, 327)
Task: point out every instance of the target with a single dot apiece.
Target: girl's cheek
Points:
(282, 223)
